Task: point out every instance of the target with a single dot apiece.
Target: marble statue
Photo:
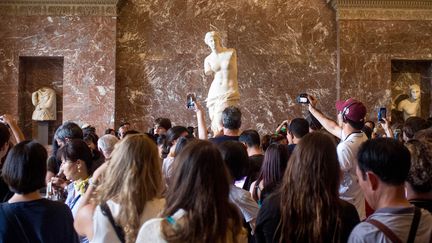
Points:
(411, 106)
(222, 62)
(44, 101)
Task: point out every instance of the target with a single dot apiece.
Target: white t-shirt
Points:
(151, 231)
(102, 228)
(349, 189)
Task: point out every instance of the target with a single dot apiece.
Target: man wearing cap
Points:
(348, 129)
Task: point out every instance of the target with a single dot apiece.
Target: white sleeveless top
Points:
(102, 228)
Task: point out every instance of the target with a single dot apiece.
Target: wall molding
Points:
(382, 9)
(58, 7)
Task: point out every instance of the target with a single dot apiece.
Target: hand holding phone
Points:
(302, 99)
(190, 101)
(382, 113)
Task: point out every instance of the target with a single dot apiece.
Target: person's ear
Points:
(373, 180)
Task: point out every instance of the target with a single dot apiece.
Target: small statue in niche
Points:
(411, 105)
(44, 101)
(223, 92)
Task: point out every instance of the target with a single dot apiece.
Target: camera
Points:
(382, 113)
(302, 99)
(190, 101)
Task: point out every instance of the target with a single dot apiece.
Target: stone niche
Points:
(35, 73)
(405, 73)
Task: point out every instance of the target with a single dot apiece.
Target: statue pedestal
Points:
(42, 132)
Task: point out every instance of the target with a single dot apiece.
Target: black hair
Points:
(235, 157)
(299, 127)
(68, 130)
(413, 125)
(161, 141)
(91, 137)
(387, 158)
(191, 131)
(231, 118)
(181, 143)
(368, 131)
(314, 124)
(174, 133)
(76, 149)
(4, 134)
(250, 137)
(163, 122)
(25, 167)
(356, 125)
(89, 130)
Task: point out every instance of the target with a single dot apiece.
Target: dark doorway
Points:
(406, 73)
(36, 73)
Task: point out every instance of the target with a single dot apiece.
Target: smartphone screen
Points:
(190, 101)
(382, 113)
(303, 99)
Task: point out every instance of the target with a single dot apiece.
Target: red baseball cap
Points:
(353, 109)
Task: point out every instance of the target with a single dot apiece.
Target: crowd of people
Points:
(314, 179)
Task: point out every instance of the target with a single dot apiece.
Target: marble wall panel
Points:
(367, 49)
(87, 45)
(283, 47)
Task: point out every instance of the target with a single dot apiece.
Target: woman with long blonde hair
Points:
(307, 207)
(128, 195)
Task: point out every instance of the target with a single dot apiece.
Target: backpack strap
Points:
(117, 228)
(414, 225)
(387, 232)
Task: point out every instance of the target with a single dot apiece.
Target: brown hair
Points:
(420, 174)
(201, 187)
(309, 192)
(133, 178)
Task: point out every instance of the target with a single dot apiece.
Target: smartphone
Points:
(302, 99)
(190, 101)
(382, 113)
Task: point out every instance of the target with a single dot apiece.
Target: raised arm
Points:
(202, 128)
(16, 131)
(328, 124)
(387, 129)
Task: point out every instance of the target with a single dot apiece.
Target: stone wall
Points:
(284, 48)
(367, 48)
(87, 45)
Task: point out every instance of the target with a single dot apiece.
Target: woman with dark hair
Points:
(27, 217)
(307, 207)
(168, 165)
(91, 139)
(271, 174)
(197, 205)
(7, 125)
(172, 137)
(5, 193)
(76, 165)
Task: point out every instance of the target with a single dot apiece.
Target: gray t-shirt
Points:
(243, 200)
(396, 219)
